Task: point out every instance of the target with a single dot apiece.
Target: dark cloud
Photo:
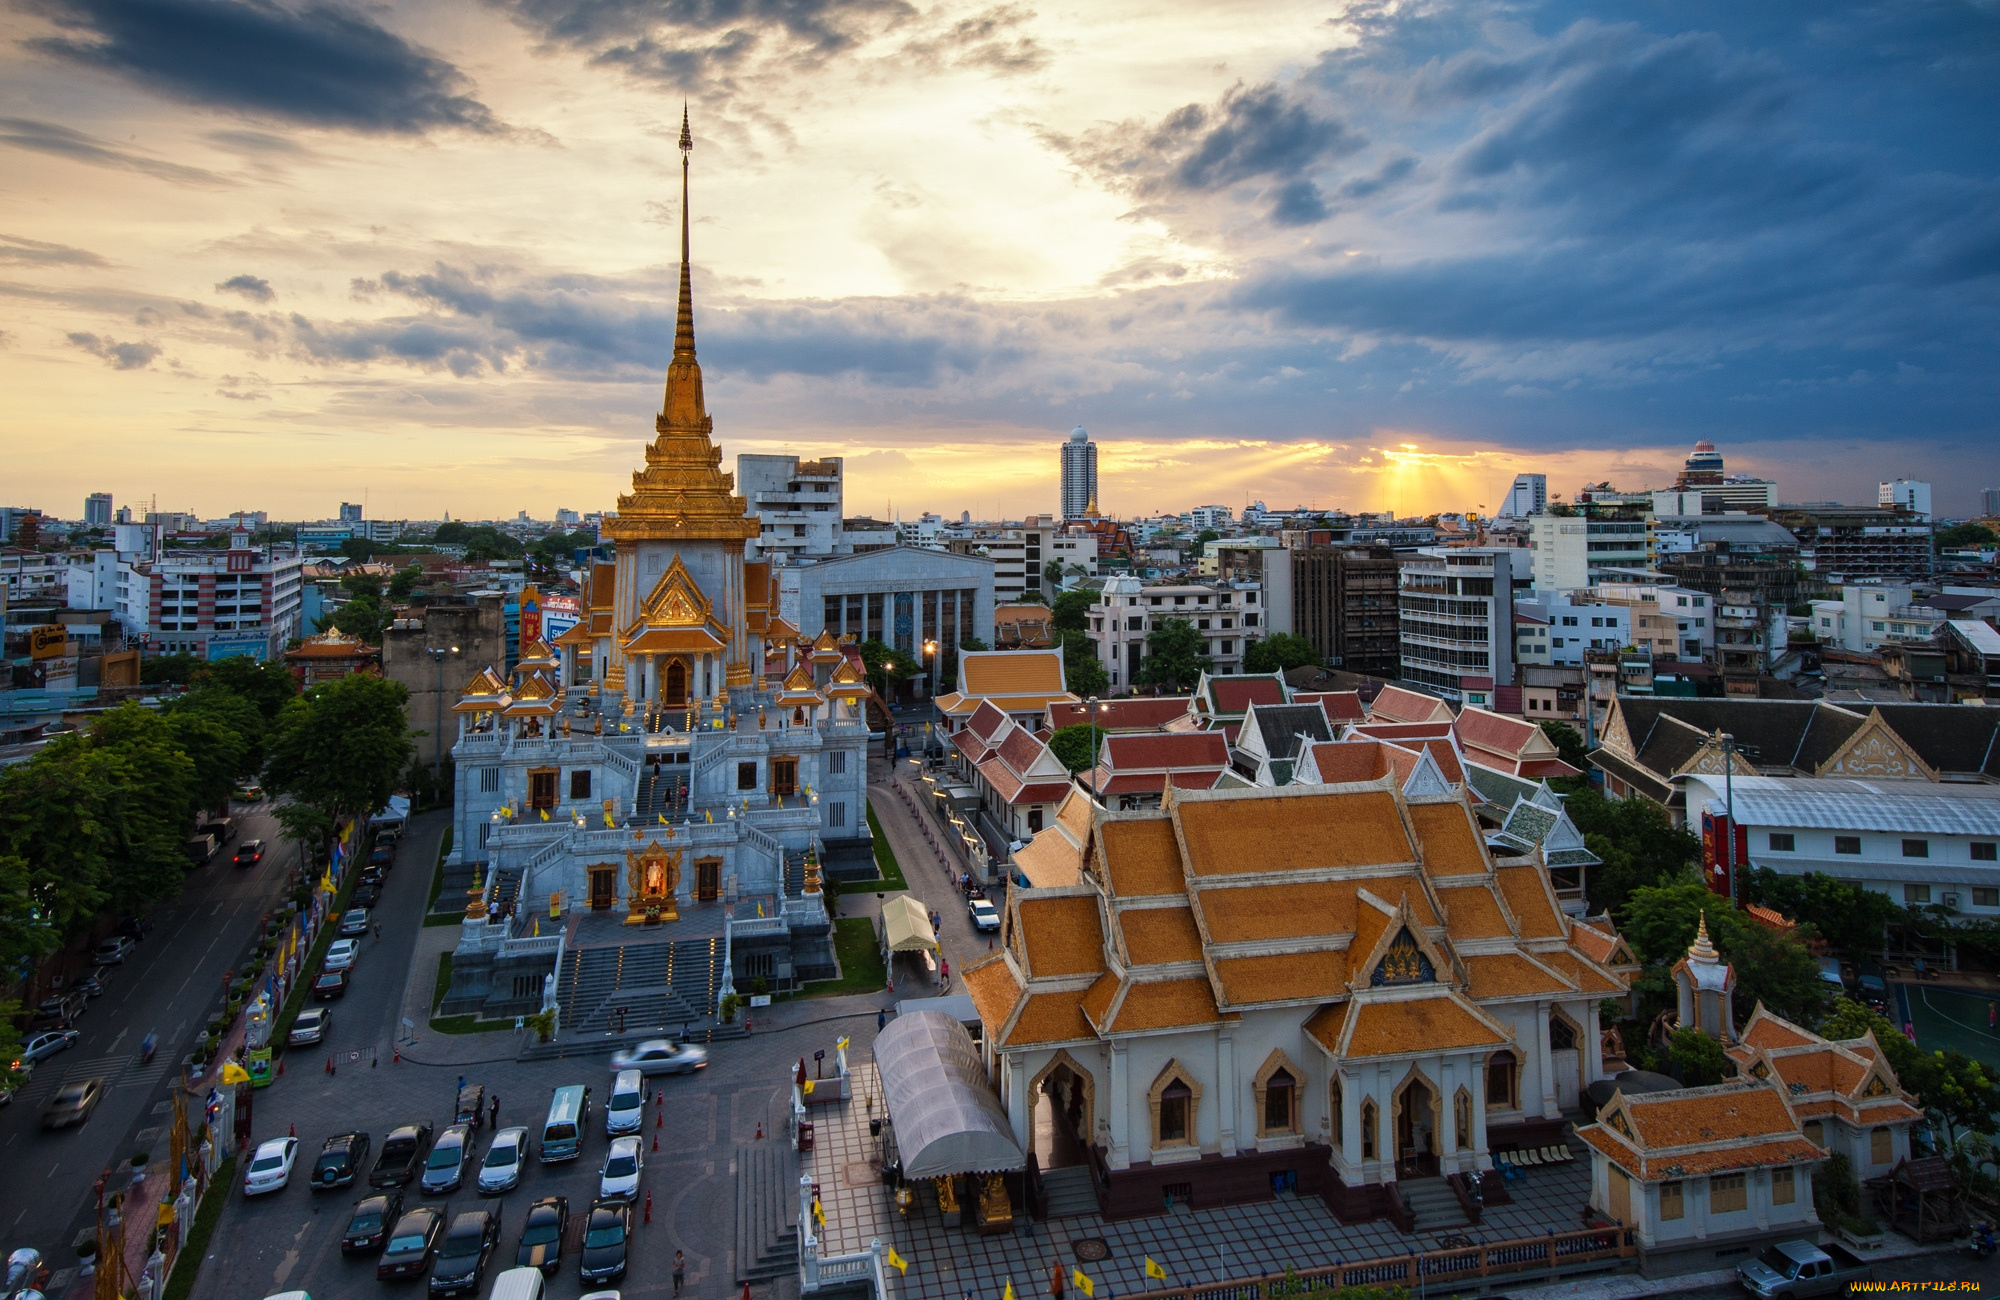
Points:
(319, 65)
(119, 356)
(253, 287)
(65, 142)
(17, 251)
(992, 39)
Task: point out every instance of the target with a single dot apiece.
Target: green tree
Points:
(1636, 841)
(267, 685)
(171, 670)
(405, 582)
(1279, 652)
(1077, 745)
(1083, 674)
(886, 667)
(342, 746)
(10, 1044)
(947, 679)
(1959, 1094)
(1964, 535)
(1568, 742)
(304, 825)
(1778, 970)
(1052, 573)
(1174, 658)
(1032, 597)
(1855, 921)
(1699, 1057)
(1072, 611)
(217, 733)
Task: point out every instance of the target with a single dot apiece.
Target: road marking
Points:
(126, 1030)
(285, 1267)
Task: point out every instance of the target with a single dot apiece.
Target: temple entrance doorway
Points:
(674, 688)
(1064, 1103)
(1416, 1130)
(603, 887)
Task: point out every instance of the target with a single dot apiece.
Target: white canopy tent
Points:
(945, 1117)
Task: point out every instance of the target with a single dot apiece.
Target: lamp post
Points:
(1092, 708)
(437, 714)
(1729, 808)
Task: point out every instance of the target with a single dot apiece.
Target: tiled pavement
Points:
(1193, 1245)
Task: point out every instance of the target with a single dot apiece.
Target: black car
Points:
(368, 1227)
(403, 1153)
(542, 1235)
(604, 1237)
(471, 1106)
(461, 1260)
(371, 875)
(366, 896)
(340, 1159)
(330, 984)
(411, 1242)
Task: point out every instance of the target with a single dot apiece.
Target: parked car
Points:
(403, 1153)
(310, 1027)
(132, 927)
(340, 1159)
(111, 952)
(23, 1071)
(411, 1242)
(354, 923)
(1873, 987)
(658, 1056)
(623, 1164)
(371, 875)
(88, 985)
(341, 955)
(625, 1111)
(604, 1236)
(471, 1110)
(366, 896)
(223, 828)
(73, 1103)
(461, 1260)
(368, 1225)
(984, 915)
(249, 853)
(271, 1166)
(542, 1235)
(1800, 1269)
(384, 856)
(501, 1170)
(329, 984)
(60, 1011)
(43, 1046)
(444, 1171)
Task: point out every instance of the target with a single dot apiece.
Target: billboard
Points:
(48, 641)
(531, 614)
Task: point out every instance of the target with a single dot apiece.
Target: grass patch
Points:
(442, 918)
(443, 985)
(180, 1282)
(861, 969)
(328, 932)
(885, 860)
(437, 872)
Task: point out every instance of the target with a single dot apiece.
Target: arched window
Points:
(1281, 1102)
(1175, 1098)
(1500, 1081)
(1562, 1035)
(1368, 1129)
(1174, 1104)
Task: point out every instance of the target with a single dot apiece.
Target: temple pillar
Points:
(1121, 1108)
(1544, 1067)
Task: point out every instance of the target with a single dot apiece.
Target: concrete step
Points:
(1070, 1191)
(1433, 1202)
(767, 1238)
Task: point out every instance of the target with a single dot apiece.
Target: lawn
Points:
(861, 969)
(180, 1282)
(885, 861)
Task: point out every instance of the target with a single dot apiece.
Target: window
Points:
(1034, 820)
(1986, 898)
(1281, 1102)
(1815, 1132)
(1847, 844)
(489, 780)
(746, 776)
(1726, 1194)
(1500, 1081)
(1175, 1101)
(836, 762)
(1916, 893)
(1781, 842)
(836, 813)
(1783, 1190)
(579, 783)
(1250, 620)
(542, 788)
(1916, 848)
(1670, 1201)
(1881, 1147)
(784, 776)
(1985, 851)
(1368, 1129)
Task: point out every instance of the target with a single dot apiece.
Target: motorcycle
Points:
(26, 1273)
(1982, 1244)
(147, 1047)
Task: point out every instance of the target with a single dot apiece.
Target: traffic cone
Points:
(656, 1141)
(281, 1067)
(760, 1130)
(291, 1130)
(396, 1054)
(329, 1065)
(649, 1207)
(659, 1117)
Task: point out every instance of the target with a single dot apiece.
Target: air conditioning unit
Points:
(1951, 900)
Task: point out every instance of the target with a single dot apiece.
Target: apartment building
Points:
(1227, 617)
(1021, 554)
(1573, 550)
(1843, 543)
(1866, 618)
(1260, 560)
(215, 604)
(797, 504)
(1668, 622)
(1456, 612)
(1344, 602)
(1557, 628)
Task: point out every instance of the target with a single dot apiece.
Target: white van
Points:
(518, 1284)
(626, 1111)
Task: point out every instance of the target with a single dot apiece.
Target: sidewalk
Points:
(957, 940)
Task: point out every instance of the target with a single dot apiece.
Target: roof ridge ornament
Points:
(1702, 950)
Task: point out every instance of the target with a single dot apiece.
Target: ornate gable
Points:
(676, 601)
(1876, 750)
(1616, 736)
(1710, 760)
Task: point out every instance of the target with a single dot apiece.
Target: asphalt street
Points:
(169, 985)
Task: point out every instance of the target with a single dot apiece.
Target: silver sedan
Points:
(658, 1056)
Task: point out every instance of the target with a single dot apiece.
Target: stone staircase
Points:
(506, 891)
(767, 1207)
(1433, 1203)
(1070, 1191)
(662, 985)
(664, 795)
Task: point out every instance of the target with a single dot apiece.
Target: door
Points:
(1621, 1194)
(603, 884)
(675, 692)
(1566, 1062)
(707, 880)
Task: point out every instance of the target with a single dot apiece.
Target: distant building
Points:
(328, 657)
(1021, 554)
(1842, 543)
(97, 510)
(1703, 472)
(1260, 560)
(470, 636)
(1570, 551)
(1528, 496)
(1457, 613)
(1907, 494)
(1209, 517)
(1226, 617)
(216, 604)
(797, 504)
(1989, 502)
(1344, 603)
(350, 513)
(1079, 475)
(902, 596)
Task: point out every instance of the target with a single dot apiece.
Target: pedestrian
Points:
(882, 1019)
(496, 1111)
(1992, 1010)
(680, 1271)
(378, 932)
(461, 1083)
(1909, 1031)
(1055, 1281)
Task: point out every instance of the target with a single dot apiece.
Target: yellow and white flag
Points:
(1154, 1270)
(1083, 1282)
(897, 1262)
(1008, 1294)
(841, 1046)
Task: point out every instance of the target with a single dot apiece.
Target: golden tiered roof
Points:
(799, 689)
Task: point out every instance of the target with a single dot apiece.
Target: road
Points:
(170, 985)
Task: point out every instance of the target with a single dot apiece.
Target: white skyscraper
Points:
(1913, 496)
(1528, 496)
(97, 510)
(1079, 475)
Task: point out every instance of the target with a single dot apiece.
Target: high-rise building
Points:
(1528, 496)
(1911, 495)
(1079, 475)
(1703, 472)
(797, 504)
(1457, 609)
(350, 513)
(1344, 602)
(1570, 551)
(97, 510)
(1989, 502)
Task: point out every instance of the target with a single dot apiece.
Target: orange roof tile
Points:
(1528, 899)
(1449, 844)
(1292, 832)
(1310, 907)
(993, 990)
(1572, 967)
(1062, 935)
(1097, 998)
(1592, 942)
(1765, 1032)
(1507, 975)
(1384, 1028)
(1473, 913)
(1074, 814)
(1012, 672)
(1051, 1018)
(1049, 861)
(1716, 1114)
(1282, 977)
(1325, 1025)
(1341, 762)
(1167, 1004)
(1155, 935)
(1142, 858)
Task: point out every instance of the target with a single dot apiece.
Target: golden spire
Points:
(1702, 950)
(684, 408)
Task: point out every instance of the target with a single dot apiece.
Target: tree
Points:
(216, 731)
(304, 825)
(1776, 969)
(341, 746)
(171, 670)
(1855, 921)
(947, 679)
(1077, 745)
(1052, 573)
(1971, 534)
(1278, 652)
(1033, 597)
(1959, 1094)
(1081, 671)
(1699, 1057)
(886, 667)
(1173, 656)
(405, 582)
(1072, 611)
(266, 685)
(1637, 843)
(1568, 743)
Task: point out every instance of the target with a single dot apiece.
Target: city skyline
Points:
(1368, 261)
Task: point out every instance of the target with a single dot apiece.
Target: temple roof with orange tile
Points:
(1141, 857)
(1396, 1027)
(1158, 935)
(1166, 1004)
(1579, 972)
(1527, 895)
(1054, 1017)
(1292, 832)
(1510, 975)
(1395, 704)
(1451, 846)
(1305, 909)
(1315, 975)
(1472, 912)
(1062, 935)
(1695, 1164)
(1011, 672)
(993, 990)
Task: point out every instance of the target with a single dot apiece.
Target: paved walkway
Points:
(928, 879)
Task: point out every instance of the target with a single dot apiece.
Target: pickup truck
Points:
(1793, 1270)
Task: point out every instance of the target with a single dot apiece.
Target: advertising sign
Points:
(531, 614)
(47, 641)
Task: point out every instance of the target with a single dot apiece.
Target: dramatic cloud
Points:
(255, 288)
(119, 356)
(34, 252)
(319, 65)
(66, 142)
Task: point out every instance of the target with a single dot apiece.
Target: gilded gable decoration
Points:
(1404, 963)
(675, 600)
(1876, 750)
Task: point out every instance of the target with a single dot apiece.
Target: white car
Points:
(271, 1168)
(984, 915)
(658, 1056)
(501, 1170)
(341, 955)
(625, 1108)
(622, 1166)
(310, 1027)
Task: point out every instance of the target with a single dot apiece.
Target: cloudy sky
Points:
(277, 255)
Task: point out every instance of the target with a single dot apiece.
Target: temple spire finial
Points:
(684, 317)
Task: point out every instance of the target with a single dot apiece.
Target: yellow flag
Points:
(1083, 1282)
(806, 1088)
(545, 814)
(819, 1215)
(1008, 1294)
(710, 814)
(608, 821)
(663, 819)
(897, 1262)
(841, 1046)
(1154, 1270)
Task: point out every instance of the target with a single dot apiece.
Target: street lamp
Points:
(1729, 808)
(1092, 708)
(437, 714)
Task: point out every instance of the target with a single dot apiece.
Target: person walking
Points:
(680, 1271)
(882, 1019)
(495, 1123)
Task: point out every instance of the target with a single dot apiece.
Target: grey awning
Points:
(945, 1117)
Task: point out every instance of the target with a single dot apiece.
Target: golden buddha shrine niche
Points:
(652, 884)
